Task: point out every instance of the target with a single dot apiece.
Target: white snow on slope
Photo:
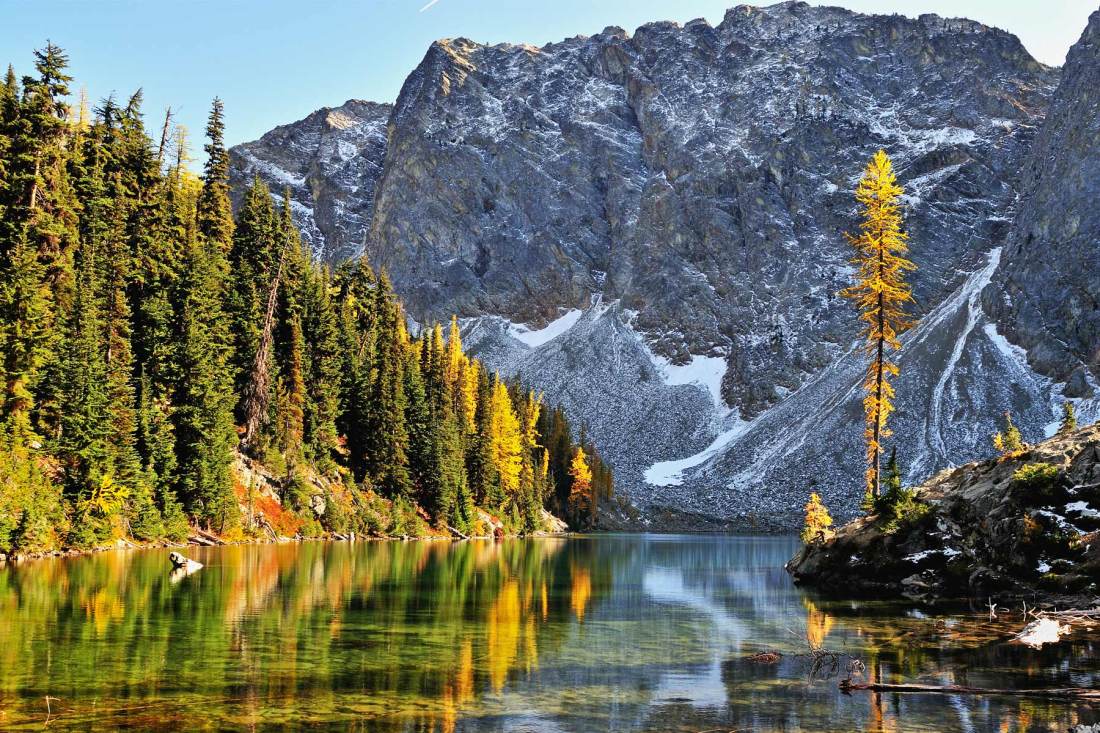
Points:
(1083, 508)
(671, 473)
(705, 371)
(702, 371)
(545, 335)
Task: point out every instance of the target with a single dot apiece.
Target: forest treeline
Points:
(148, 337)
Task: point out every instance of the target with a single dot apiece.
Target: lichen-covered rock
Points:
(1021, 524)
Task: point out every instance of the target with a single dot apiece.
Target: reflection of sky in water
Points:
(706, 688)
(612, 632)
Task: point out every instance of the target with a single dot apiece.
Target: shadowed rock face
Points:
(1047, 296)
(686, 187)
(700, 175)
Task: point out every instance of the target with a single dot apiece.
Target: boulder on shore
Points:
(1018, 525)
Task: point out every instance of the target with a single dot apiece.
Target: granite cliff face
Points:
(648, 227)
(331, 162)
(1047, 296)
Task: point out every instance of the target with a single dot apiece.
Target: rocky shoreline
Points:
(206, 540)
(1026, 525)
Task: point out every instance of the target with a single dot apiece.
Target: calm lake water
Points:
(600, 633)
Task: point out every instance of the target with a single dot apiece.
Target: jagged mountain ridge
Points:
(679, 194)
(330, 161)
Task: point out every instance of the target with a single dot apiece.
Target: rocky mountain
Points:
(1010, 525)
(649, 227)
(1047, 296)
(331, 162)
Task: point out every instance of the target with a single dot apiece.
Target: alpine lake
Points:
(578, 633)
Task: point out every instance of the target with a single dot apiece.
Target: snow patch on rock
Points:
(536, 338)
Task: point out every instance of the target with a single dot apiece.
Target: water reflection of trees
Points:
(614, 633)
(409, 632)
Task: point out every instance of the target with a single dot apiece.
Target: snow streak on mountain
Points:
(649, 227)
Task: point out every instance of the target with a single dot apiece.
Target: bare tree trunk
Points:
(256, 396)
(33, 204)
(164, 137)
(1083, 693)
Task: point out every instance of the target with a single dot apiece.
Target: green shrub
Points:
(176, 528)
(145, 520)
(1036, 477)
(335, 518)
(31, 513)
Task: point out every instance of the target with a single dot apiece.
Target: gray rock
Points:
(686, 188)
(987, 530)
(330, 161)
(1047, 296)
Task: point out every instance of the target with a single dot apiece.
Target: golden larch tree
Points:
(880, 295)
(819, 523)
(506, 438)
(580, 491)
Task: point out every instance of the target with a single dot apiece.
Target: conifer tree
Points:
(484, 478)
(215, 213)
(1008, 442)
(24, 335)
(82, 442)
(1069, 418)
(204, 429)
(387, 454)
(292, 412)
(819, 523)
(132, 312)
(323, 368)
(580, 491)
(507, 444)
(880, 294)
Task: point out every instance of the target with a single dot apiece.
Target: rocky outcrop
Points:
(1047, 296)
(1029, 523)
(330, 162)
(648, 227)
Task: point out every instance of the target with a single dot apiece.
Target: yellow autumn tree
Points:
(880, 295)
(819, 523)
(580, 491)
(467, 394)
(506, 439)
(454, 360)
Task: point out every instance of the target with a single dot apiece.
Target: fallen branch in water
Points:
(1081, 693)
(1048, 627)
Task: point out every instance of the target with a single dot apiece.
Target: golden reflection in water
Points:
(436, 636)
(818, 624)
(503, 634)
(277, 616)
(580, 590)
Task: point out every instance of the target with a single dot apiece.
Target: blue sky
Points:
(275, 61)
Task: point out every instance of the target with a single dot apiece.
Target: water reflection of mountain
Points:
(589, 633)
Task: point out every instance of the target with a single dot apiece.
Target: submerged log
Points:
(1078, 693)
